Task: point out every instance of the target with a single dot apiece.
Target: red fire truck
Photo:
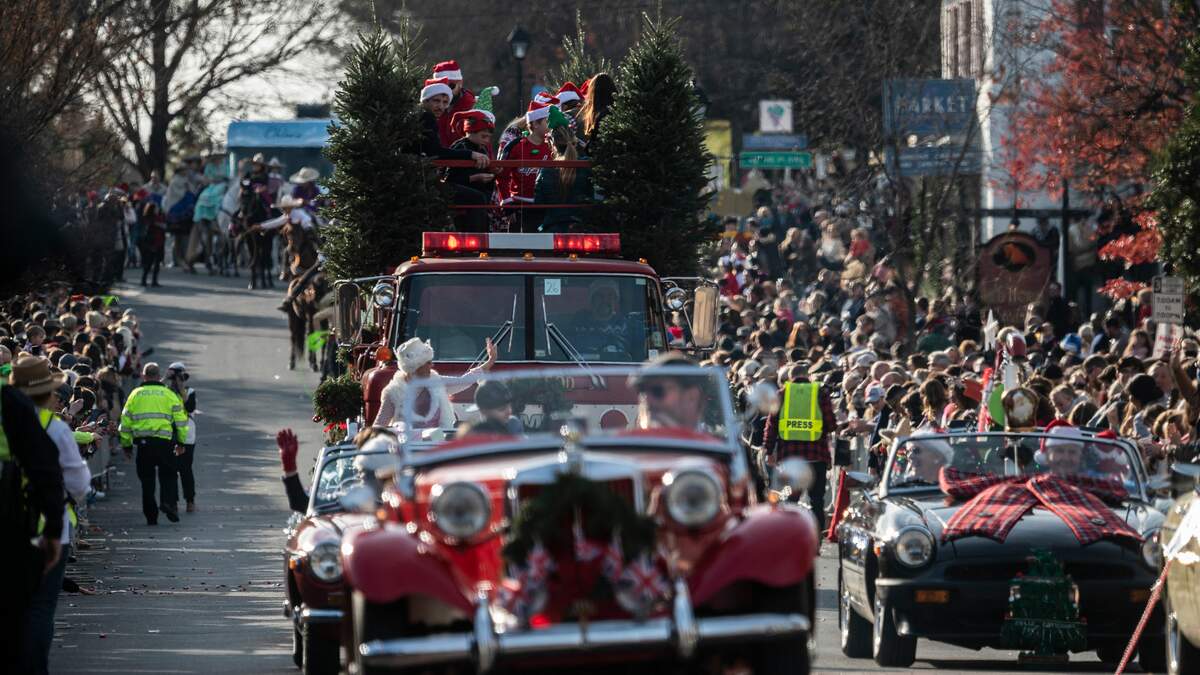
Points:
(546, 300)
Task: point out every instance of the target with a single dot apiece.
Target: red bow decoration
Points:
(998, 502)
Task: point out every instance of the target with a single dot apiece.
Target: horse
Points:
(252, 209)
(300, 305)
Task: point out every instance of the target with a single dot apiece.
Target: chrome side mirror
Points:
(347, 313)
(383, 295)
(705, 310)
(676, 299)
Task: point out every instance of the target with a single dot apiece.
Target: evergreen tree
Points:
(1176, 195)
(580, 65)
(650, 164)
(382, 195)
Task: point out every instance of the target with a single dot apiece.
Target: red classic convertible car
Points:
(312, 565)
(560, 546)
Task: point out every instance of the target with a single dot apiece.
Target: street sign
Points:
(1167, 305)
(928, 107)
(774, 141)
(941, 160)
(775, 160)
(775, 117)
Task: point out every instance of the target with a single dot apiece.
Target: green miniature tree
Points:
(382, 194)
(1043, 615)
(650, 165)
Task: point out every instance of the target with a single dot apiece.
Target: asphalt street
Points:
(204, 595)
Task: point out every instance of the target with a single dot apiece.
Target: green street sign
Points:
(775, 160)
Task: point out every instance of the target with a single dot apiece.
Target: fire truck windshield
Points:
(604, 318)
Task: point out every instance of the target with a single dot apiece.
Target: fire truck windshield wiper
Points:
(569, 349)
(505, 330)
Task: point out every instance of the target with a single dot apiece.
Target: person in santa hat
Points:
(430, 408)
(435, 99)
(517, 185)
(569, 99)
(461, 98)
(478, 126)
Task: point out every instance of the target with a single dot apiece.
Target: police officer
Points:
(802, 428)
(154, 421)
(177, 377)
(31, 493)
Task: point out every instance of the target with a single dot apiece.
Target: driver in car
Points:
(669, 400)
(1062, 452)
(927, 455)
(600, 328)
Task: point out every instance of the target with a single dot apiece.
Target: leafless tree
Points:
(190, 52)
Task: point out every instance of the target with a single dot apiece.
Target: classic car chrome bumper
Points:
(303, 614)
(483, 646)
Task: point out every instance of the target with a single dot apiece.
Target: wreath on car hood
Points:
(549, 519)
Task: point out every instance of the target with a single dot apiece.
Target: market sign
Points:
(774, 141)
(1013, 272)
(1167, 305)
(928, 107)
(941, 160)
(775, 160)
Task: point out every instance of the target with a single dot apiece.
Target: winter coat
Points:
(548, 189)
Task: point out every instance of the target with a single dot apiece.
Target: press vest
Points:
(800, 417)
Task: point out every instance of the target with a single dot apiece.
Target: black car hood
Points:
(1038, 528)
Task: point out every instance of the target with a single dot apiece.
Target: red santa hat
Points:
(472, 121)
(434, 87)
(583, 88)
(448, 70)
(569, 92)
(546, 97)
(539, 110)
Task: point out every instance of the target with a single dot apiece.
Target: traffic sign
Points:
(775, 160)
(1168, 300)
(774, 141)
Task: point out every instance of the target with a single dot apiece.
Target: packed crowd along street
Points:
(692, 366)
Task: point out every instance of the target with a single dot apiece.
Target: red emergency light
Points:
(442, 243)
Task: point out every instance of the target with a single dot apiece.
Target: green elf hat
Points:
(483, 101)
(557, 118)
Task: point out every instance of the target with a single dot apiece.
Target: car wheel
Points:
(1182, 656)
(855, 630)
(790, 656)
(889, 648)
(321, 655)
(370, 622)
(297, 647)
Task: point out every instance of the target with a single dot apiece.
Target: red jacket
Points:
(519, 182)
(464, 102)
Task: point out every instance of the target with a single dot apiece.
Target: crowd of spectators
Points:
(809, 295)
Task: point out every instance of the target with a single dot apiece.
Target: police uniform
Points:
(154, 421)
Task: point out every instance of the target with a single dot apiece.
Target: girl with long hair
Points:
(562, 185)
(601, 90)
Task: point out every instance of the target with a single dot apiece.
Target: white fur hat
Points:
(413, 354)
(928, 441)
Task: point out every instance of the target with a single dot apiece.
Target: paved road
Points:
(203, 596)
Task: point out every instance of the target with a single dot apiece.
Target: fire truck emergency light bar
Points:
(438, 243)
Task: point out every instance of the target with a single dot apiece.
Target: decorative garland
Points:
(605, 515)
(1043, 618)
(337, 399)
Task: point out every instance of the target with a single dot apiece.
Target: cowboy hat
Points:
(258, 158)
(290, 202)
(32, 375)
(275, 163)
(306, 174)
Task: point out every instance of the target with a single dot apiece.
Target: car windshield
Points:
(337, 475)
(617, 403)
(568, 317)
(917, 462)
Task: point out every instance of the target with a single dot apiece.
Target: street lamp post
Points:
(518, 43)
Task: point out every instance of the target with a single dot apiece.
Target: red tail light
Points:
(587, 243)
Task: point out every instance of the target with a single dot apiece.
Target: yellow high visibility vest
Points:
(800, 416)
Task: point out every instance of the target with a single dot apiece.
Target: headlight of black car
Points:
(324, 563)
(1152, 549)
(913, 546)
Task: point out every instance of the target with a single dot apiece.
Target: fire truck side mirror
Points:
(706, 305)
(347, 313)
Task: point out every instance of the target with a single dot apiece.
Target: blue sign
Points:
(774, 141)
(305, 133)
(928, 107)
(943, 160)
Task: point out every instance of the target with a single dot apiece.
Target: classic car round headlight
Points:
(913, 547)
(1152, 549)
(460, 509)
(324, 562)
(693, 498)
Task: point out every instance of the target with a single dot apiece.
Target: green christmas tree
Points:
(382, 195)
(1043, 615)
(1176, 195)
(650, 164)
(580, 64)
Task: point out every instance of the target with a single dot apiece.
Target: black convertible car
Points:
(932, 549)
